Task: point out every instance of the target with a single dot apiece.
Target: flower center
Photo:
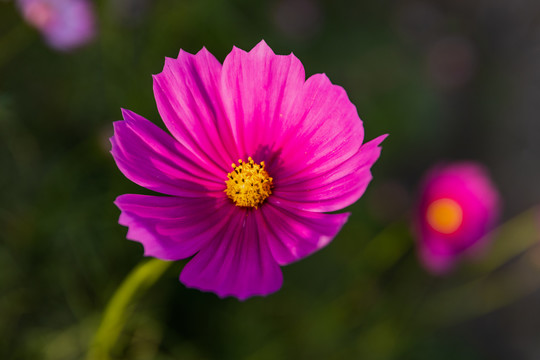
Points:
(249, 184)
(444, 215)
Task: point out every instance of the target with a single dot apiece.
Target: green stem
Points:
(121, 305)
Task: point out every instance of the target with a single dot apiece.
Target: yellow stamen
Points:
(444, 215)
(249, 184)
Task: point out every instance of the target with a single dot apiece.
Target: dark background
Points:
(449, 80)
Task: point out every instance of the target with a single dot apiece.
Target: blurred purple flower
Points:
(65, 24)
(458, 206)
(301, 151)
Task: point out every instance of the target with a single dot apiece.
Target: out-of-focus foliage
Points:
(447, 80)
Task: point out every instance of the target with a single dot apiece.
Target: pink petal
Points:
(327, 131)
(299, 128)
(151, 158)
(188, 100)
(435, 262)
(339, 186)
(238, 262)
(260, 91)
(172, 228)
(293, 234)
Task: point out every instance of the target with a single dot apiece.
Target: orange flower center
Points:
(249, 184)
(444, 215)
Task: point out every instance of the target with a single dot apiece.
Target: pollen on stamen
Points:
(249, 184)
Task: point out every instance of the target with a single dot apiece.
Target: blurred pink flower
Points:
(458, 206)
(296, 151)
(65, 24)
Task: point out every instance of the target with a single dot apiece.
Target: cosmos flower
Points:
(65, 24)
(458, 206)
(257, 155)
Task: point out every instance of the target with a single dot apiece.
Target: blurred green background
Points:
(448, 80)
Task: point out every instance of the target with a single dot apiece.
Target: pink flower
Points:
(458, 206)
(296, 151)
(65, 24)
